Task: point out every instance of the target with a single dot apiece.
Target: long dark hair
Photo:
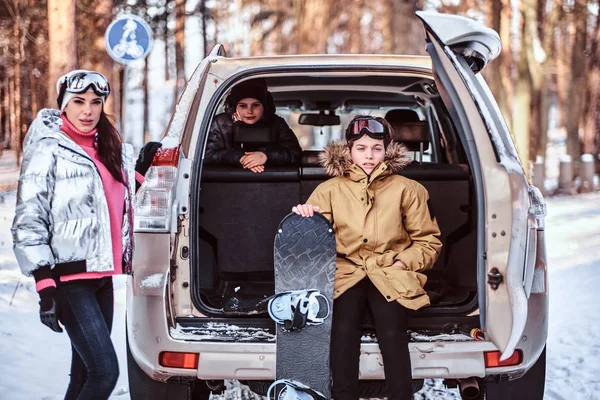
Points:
(109, 145)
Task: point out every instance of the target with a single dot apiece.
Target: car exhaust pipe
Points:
(216, 386)
(469, 388)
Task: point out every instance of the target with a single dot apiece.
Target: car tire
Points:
(529, 387)
(142, 387)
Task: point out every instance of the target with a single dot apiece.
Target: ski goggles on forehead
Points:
(370, 127)
(81, 81)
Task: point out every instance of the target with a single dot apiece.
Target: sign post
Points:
(128, 38)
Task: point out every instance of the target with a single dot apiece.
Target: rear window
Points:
(317, 137)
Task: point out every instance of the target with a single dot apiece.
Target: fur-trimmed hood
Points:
(336, 157)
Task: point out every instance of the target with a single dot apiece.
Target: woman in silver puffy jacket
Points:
(73, 225)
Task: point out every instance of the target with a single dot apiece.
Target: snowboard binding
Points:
(297, 308)
(285, 389)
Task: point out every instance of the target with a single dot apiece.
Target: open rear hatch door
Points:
(460, 48)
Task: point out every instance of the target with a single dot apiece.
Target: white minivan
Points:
(204, 234)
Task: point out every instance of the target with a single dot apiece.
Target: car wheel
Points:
(529, 387)
(142, 387)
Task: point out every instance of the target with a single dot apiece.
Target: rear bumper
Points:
(149, 335)
(429, 360)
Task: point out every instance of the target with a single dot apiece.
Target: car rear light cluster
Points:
(154, 206)
(173, 359)
(492, 359)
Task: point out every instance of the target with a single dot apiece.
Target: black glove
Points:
(145, 157)
(48, 314)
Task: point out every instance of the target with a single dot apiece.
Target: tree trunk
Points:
(498, 71)
(563, 65)
(386, 20)
(354, 42)
(523, 90)
(62, 41)
(2, 115)
(548, 24)
(592, 108)
(34, 97)
(576, 81)
(7, 114)
(592, 122)
(406, 29)
(116, 93)
(272, 40)
(506, 60)
(180, 18)
(99, 58)
(13, 112)
(313, 24)
(17, 133)
(538, 125)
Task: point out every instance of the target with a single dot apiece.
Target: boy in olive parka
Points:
(384, 232)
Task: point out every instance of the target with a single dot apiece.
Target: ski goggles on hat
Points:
(368, 126)
(79, 82)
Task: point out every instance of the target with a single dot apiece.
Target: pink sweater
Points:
(115, 198)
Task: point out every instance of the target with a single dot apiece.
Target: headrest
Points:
(408, 129)
(252, 135)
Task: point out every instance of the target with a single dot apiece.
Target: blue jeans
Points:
(85, 308)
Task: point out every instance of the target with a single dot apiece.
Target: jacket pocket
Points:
(408, 284)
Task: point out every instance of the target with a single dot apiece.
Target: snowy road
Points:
(35, 361)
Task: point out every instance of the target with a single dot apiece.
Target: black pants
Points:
(85, 307)
(390, 324)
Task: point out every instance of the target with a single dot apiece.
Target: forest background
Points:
(546, 79)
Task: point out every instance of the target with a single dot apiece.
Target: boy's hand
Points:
(253, 159)
(305, 210)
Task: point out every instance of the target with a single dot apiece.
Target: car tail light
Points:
(154, 203)
(166, 157)
(492, 359)
(173, 359)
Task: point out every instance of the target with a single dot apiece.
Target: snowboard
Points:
(302, 307)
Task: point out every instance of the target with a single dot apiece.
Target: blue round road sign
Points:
(128, 38)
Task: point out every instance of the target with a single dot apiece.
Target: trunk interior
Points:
(238, 214)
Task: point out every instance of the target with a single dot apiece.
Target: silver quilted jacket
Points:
(62, 213)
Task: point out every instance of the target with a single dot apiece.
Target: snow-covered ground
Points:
(35, 361)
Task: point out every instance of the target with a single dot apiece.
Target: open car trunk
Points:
(239, 211)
